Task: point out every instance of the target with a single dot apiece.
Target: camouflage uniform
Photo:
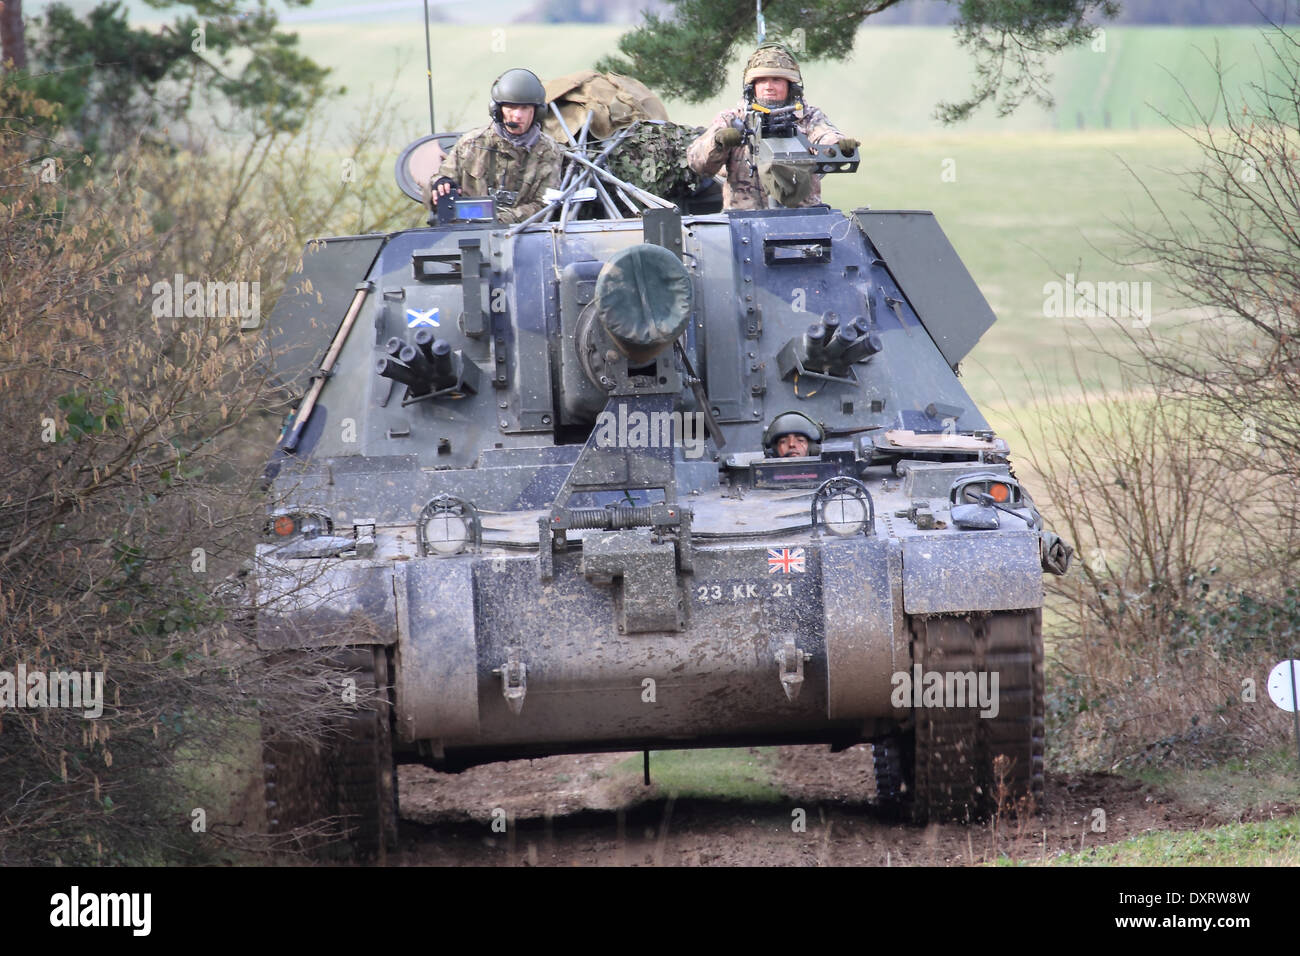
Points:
(741, 189)
(484, 161)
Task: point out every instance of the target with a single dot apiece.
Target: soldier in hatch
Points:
(772, 79)
(792, 435)
(511, 159)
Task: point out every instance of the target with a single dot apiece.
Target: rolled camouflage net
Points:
(614, 102)
(653, 156)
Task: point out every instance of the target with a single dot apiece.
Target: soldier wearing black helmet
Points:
(792, 435)
(511, 159)
(772, 79)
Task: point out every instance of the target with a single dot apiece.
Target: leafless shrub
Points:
(1180, 490)
(1163, 616)
(131, 441)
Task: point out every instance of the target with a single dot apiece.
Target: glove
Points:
(455, 187)
(444, 207)
(848, 144)
(727, 137)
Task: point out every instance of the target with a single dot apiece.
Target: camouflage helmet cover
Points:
(793, 423)
(772, 59)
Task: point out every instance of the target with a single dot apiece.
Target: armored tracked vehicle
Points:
(526, 495)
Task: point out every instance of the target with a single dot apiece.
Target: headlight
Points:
(447, 526)
(976, 499)
(1001, 488)
(445, 533)
(285, 524)
(843, 506)
(844, 514)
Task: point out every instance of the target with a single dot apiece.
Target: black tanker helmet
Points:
(517, 87)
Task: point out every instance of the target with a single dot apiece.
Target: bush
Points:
(1170, 607)
(131, 444)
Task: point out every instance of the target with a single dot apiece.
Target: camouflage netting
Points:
(653, 156)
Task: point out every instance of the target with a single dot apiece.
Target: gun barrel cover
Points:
(644, 296)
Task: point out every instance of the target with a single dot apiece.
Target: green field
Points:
(1270, 843)
(1025, 210)
(892, 83)
(1124, 79)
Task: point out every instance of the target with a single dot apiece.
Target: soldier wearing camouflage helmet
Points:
(511, 159)
(772, 79)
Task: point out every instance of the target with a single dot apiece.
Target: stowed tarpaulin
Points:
(615, 101)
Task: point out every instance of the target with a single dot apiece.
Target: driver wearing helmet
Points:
(511, 159)
(792, 435)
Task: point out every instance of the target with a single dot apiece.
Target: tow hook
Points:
(514, 680)
(790, 660)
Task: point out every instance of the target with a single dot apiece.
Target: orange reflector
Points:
(283, 526)
(1000, 493)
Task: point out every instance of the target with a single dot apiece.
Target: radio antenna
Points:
(428, 65)
(762, 24)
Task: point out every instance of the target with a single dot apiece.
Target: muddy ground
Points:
(577, 811)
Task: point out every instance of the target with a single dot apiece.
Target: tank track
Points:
(348, 777)
(894, 760)
(953, 751)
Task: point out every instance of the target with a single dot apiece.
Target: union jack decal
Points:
(785, 560)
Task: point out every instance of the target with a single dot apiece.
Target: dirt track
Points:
(569, 811)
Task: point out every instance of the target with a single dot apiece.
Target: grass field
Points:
(743, 774)
(892, 83)
(1026, 209)
(1268, 843)
(1123, 80)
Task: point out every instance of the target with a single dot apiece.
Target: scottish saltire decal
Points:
(416, 318)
